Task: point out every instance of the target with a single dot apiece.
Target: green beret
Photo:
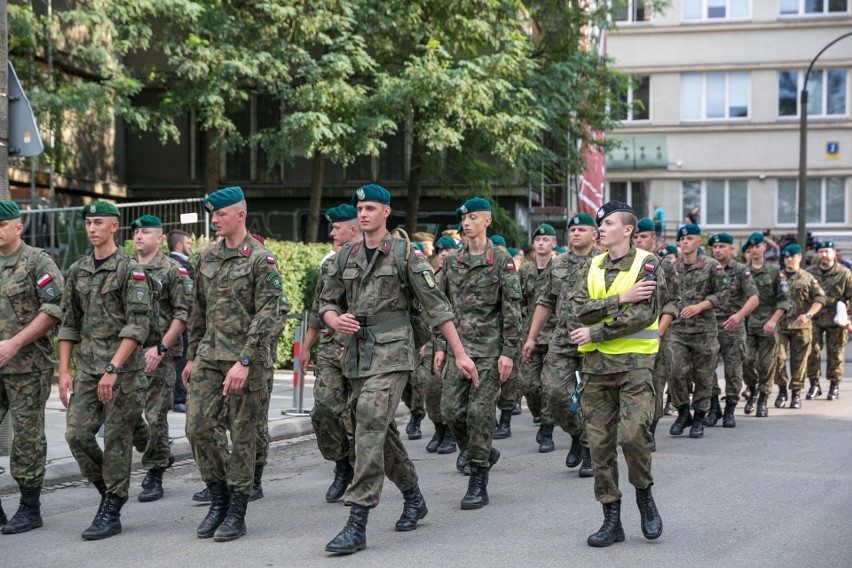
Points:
(471, 205)
(343, 212)
(146, 221)
(498, 241)
(754, 239)
(609, 208)
(371, 192)
(691, 229)
(513, 251)
(644, 225)
(9, 210)
(222, 198)
(559, 249)
(825, 245)
(445, 243)
(419, 245)
(670, 249)
(744, 248)
(791, 250)
(581, 219)
(460, 230)
(100, 209)
(724, 238)
(544, 229)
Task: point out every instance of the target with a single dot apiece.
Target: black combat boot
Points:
(448, 445)
(101, 487)
(714, 414)
(516, 411)
(749, 405)
(504, 427)
(575, 453)
(256, 487)
(653, 430)
(2, 516)
(353, 537)
(413, 429)
(814, 391)
(538, 434)
(477, 489)
(697, 429)
(683, 420)
(152, 485)
(611, 530)
(437, 438)
(762, 410)
(781, 399)
(461, 462)
(833, 390)
(343, 474)
(413, 509)
(728, 420)
(795, 399)
(202, 496)
(536, 419)
(586, 469)
(234, 525)
(28, 516)
(219, 501)
(108, 520)
(652, 524)
(668, 409)
(546, 444)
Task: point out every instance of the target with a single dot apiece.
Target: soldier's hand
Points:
(468, 368)
(66, 388)
(235, 380)
(152, 359)
(439, 362)
(184, 377)
(105, 387)
(732, 322)
(769, 327)
(527, 349)
(346, 324)
(690, 311)
(640, 292)
(801, 321)
(7, 351)
(504, 367)
(581, 336)
(304, 359)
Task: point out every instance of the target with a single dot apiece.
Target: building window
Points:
(826, 92)
(812, 7)
(716, 202)
(697, 10)
(632, 11)
(825, 201)
(713, 96)
(637, 99)
(634, 193)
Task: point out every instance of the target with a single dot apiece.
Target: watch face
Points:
(245, 361)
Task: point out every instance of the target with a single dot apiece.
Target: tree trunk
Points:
(211, 161)
(414, 175)
(317, 173)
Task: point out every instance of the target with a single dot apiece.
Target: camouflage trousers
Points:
(619, 408)
(412, 394)
(330, 415)
(761, 364)
(835, 341)
(697, 353)
(530, 383)
(732, 347)
(379, 451)
(151, 434)
(22, 398)
(799, 342)
(469, 410)
(432, 386)
(557, 378)
(661, 373)
(262, 444)
(85, 416)
(210, 416)
(509, 390)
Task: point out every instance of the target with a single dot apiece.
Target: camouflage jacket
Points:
(235, 304)
(772, 289)
(635, 318)
(377, 291)
(532, 283)
(703, 280)
(30, 284)
(561, 279)
(101, 306)
(485, 294)
(836, 283)
(331, 344)
(740, 288)
(175, 290)
(804, 290)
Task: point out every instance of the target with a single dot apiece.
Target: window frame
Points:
(800, 78)
(727, 202)
(631, 13)
(823, 193)
(631, 99)
(800, 12)
(629, 187)
(705, 19)
(727, 103)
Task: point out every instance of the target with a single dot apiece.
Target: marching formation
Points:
(460, 331)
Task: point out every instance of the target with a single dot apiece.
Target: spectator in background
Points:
(178, 243)
(659, 225)
(692, 217)
(427, 241)
(773, 249)
(842, 261)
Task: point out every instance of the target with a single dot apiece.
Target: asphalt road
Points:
(772, 492)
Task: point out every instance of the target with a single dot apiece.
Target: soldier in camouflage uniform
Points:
(151, 434)
(31, 287)
(794, 329)
(836, 281)
(367, 296)
(330, 414)
(730, 324)
(620, 306)
(235, 310)
(106, 307)
(761, 364)
(509, 401)
(702, 287)
(482, 285)
(562, 361)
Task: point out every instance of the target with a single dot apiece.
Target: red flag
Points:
(590, 182)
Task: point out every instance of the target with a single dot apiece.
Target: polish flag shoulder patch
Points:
(747, 274)
(138, 275)
(417, 252)
(270, 259)
(42, 282)
(183, 270)
(510, 266)
(649, 268)
(720, 267)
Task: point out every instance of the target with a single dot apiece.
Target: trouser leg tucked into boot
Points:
(477, 487)
(611, 530)
(28, 516)
(353, 537)
(108, 520)
(343, 474)
(413, 429)
(219, 501)
(257, 487)
(546, 443)
(413, 509)
(234, 525)
(504, 426)
(652, 524)
(152, 485)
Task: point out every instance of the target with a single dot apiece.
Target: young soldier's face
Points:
(756, 251)
(543, 244)
(581, 236)
(10, 231)
(226, 220)
(689, 243)
(792, 262)
(612, 230)
(723, 252)
(100, 230)
(147, 239)
(342, 232)
(475, 224)
(646, 240)
(372, 216)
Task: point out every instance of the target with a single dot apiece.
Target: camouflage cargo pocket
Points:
(374, 410)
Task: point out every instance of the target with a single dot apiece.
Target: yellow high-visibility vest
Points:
(645, 341)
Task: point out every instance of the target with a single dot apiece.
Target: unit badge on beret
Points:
(93, 208)
(600, 213)
(463, 209)
(328, 218)
(208, 206)
(360, 193)
(577, 220)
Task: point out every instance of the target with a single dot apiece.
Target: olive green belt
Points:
(375, 324)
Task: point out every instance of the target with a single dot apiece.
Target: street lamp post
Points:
(803, 147)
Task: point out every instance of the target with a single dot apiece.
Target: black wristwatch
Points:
(245, 361)
(110, 368)
(161, 349)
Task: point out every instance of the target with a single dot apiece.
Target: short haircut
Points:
(628, 218)
(176, 236)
